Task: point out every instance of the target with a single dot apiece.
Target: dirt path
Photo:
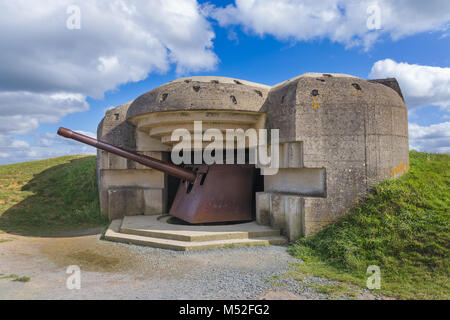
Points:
(117, 271)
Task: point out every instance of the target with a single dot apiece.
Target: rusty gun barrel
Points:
(182, 173)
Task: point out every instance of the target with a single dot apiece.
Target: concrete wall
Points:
(352, 129)
(127, 187)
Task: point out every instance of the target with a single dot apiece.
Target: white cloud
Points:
(48, 70)
(17, 124)
(49, 145)
(421, 85)
(20, 144)
(9, 148)
(45, 142)
(119, 41)
(339, 20)
(23, 111)
(433, 138)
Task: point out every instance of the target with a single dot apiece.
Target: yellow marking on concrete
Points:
(400, 168)
(315, 104)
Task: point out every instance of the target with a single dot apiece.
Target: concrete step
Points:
(157, 227)
(113, 234)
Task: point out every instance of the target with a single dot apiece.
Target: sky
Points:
(65, 62)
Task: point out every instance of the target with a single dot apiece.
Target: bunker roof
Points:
(201, 93)
(225, 93)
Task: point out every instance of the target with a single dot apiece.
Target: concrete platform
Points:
(154, 232)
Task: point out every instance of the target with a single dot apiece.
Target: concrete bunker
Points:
(339, 135)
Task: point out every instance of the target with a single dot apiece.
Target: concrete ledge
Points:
(266, 237)
(155, 226)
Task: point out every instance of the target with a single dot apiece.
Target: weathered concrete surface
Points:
(339, 135)
(201, 93)
(281, 210)
(306, 181)
(158, 227)
(149, 231)
(357, 130)
(124, 185)
(159, 126)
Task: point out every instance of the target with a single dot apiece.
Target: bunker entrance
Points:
(251, 181)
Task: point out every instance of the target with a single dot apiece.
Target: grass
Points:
(339, 290)
(49, 196)
(15, 277)
(403, 227)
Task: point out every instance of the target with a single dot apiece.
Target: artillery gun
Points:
(206, 193)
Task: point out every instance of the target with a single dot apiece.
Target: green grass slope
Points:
(49, 196)
(403, 227)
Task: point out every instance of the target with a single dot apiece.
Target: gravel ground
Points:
(118, 271)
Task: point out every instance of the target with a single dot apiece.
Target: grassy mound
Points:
(49, 196)
(403, 227)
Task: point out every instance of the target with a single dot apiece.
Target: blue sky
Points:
(232, 41)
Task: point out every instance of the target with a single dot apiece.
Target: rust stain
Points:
(315, 103)
(400, 168)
